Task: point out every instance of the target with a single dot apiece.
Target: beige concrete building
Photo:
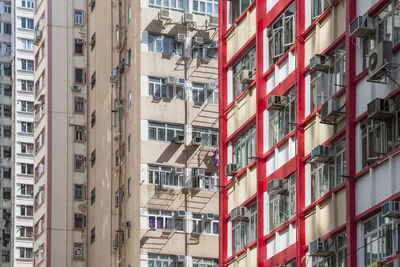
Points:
(60, 119)
(152, 176)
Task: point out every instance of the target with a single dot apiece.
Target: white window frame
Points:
(165, 176)
(167, 45)
(204, 262)
(158, 88)
(163, 260)
(166, 129)
(209, 181)
(283, 31)
(202, 7)
(244, 147)
(209, 136)
(169, 221)
(202, 225)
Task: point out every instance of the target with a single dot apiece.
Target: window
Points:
(92, 235)
(164, 131)
(129, 143)
(26, 190)
(78, 250)
(165, 220)
(93, 42)
(165, 176)
(245, 232)
(164, 44)
(159, 88)
(318, 6)
(7, 131)
(281, 122)
(7, 92)
(79, 104)
(26, 23)
(27, 3)
(6, 69)
(39, 170)
(27, 148)
(93, 80)
(209, 136)
(206, 51)
(79, 162)
(27, 64)
(5, 256)
(6, 152)
(79, 221)
(156, 260)
(79, 17)
(129, 186)
(92, 5)
(25, 253)
(80, 76)
(283, 206)
(239, 7)
(208, 182)
(281, 34)
(39, 198)
(6, 173)
(7, 7)
(26, 168)
(201, 93)
(25, 44)
(25, 210)
(6, 193)
(248, 62)
(93, 119)
(26, 85)
(26, 127)
(93, 158)
(7, 111)
(168, 4)
(26, 106)
(7, 28)
(79, 133)
(39, 141)
(244, 148)
(79, 46)
(381, 239)
(79, 192)
(129, 100)
(92, 196)
(209, 7)
(203, 262)
(325, 176)
(202, 224)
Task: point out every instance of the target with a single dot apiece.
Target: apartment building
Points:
(60, 120)
(5, 132)
(23, 141)
(309, 133)
(152, 133)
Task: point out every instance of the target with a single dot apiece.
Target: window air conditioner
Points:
(114, 76)
(76, 88)
(330, 111)
(210, 216)
(79, 41)
(274, 102)
(246, 76)
(119, 103)
(41, 188)
(180, 82)
(189, 18)
(321, 247)
(199, 172)
(178, 171)
(126, 225)
(379, 109)
(92, 3)
(378, 60)
(212, 85)
(319, 63)
(197, 141)
(181, 258)
(171, 80)
(164, 14)
(181, 213)
(238, 214)
(391, 209)
(321, 154)
(180, 38)
(361, 26)
(212, 21)
(179, 139)
(38, 37)
(277, 186)
(231, 169)
(197, 41)
(82, 207)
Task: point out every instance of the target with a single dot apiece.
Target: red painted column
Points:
(260, 102)
(300, 108)
(351, 226)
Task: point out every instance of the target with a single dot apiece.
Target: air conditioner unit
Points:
(330, 110)
(181, 258)
(321, 247)
(378, 60)
(38, 37)
(277, 186)
(212, 86)
(275, 102)
(92, 157)
(114, 76)
(164, 14)
(41, 188)
(181, 213)
(126, 225)
(212, 21)
(189, 18)
(199, 172)
(210, 216)
(171, 80)
(178, 171)
(79, 41)
(92, 3)
(41, 247)
(379, 109)
(82, 207)
(188, 183)
(180, 82)
(246, 76)
(197, 141)
(231, 169)
(361, 27)
(321, 154)
(197, 41)
(119, 103)
(179, 139)
(238, 214)
(391, 209)
(76, 88)
(180, 37)
(319, 63)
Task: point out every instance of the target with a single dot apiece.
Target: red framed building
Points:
(309, 132)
